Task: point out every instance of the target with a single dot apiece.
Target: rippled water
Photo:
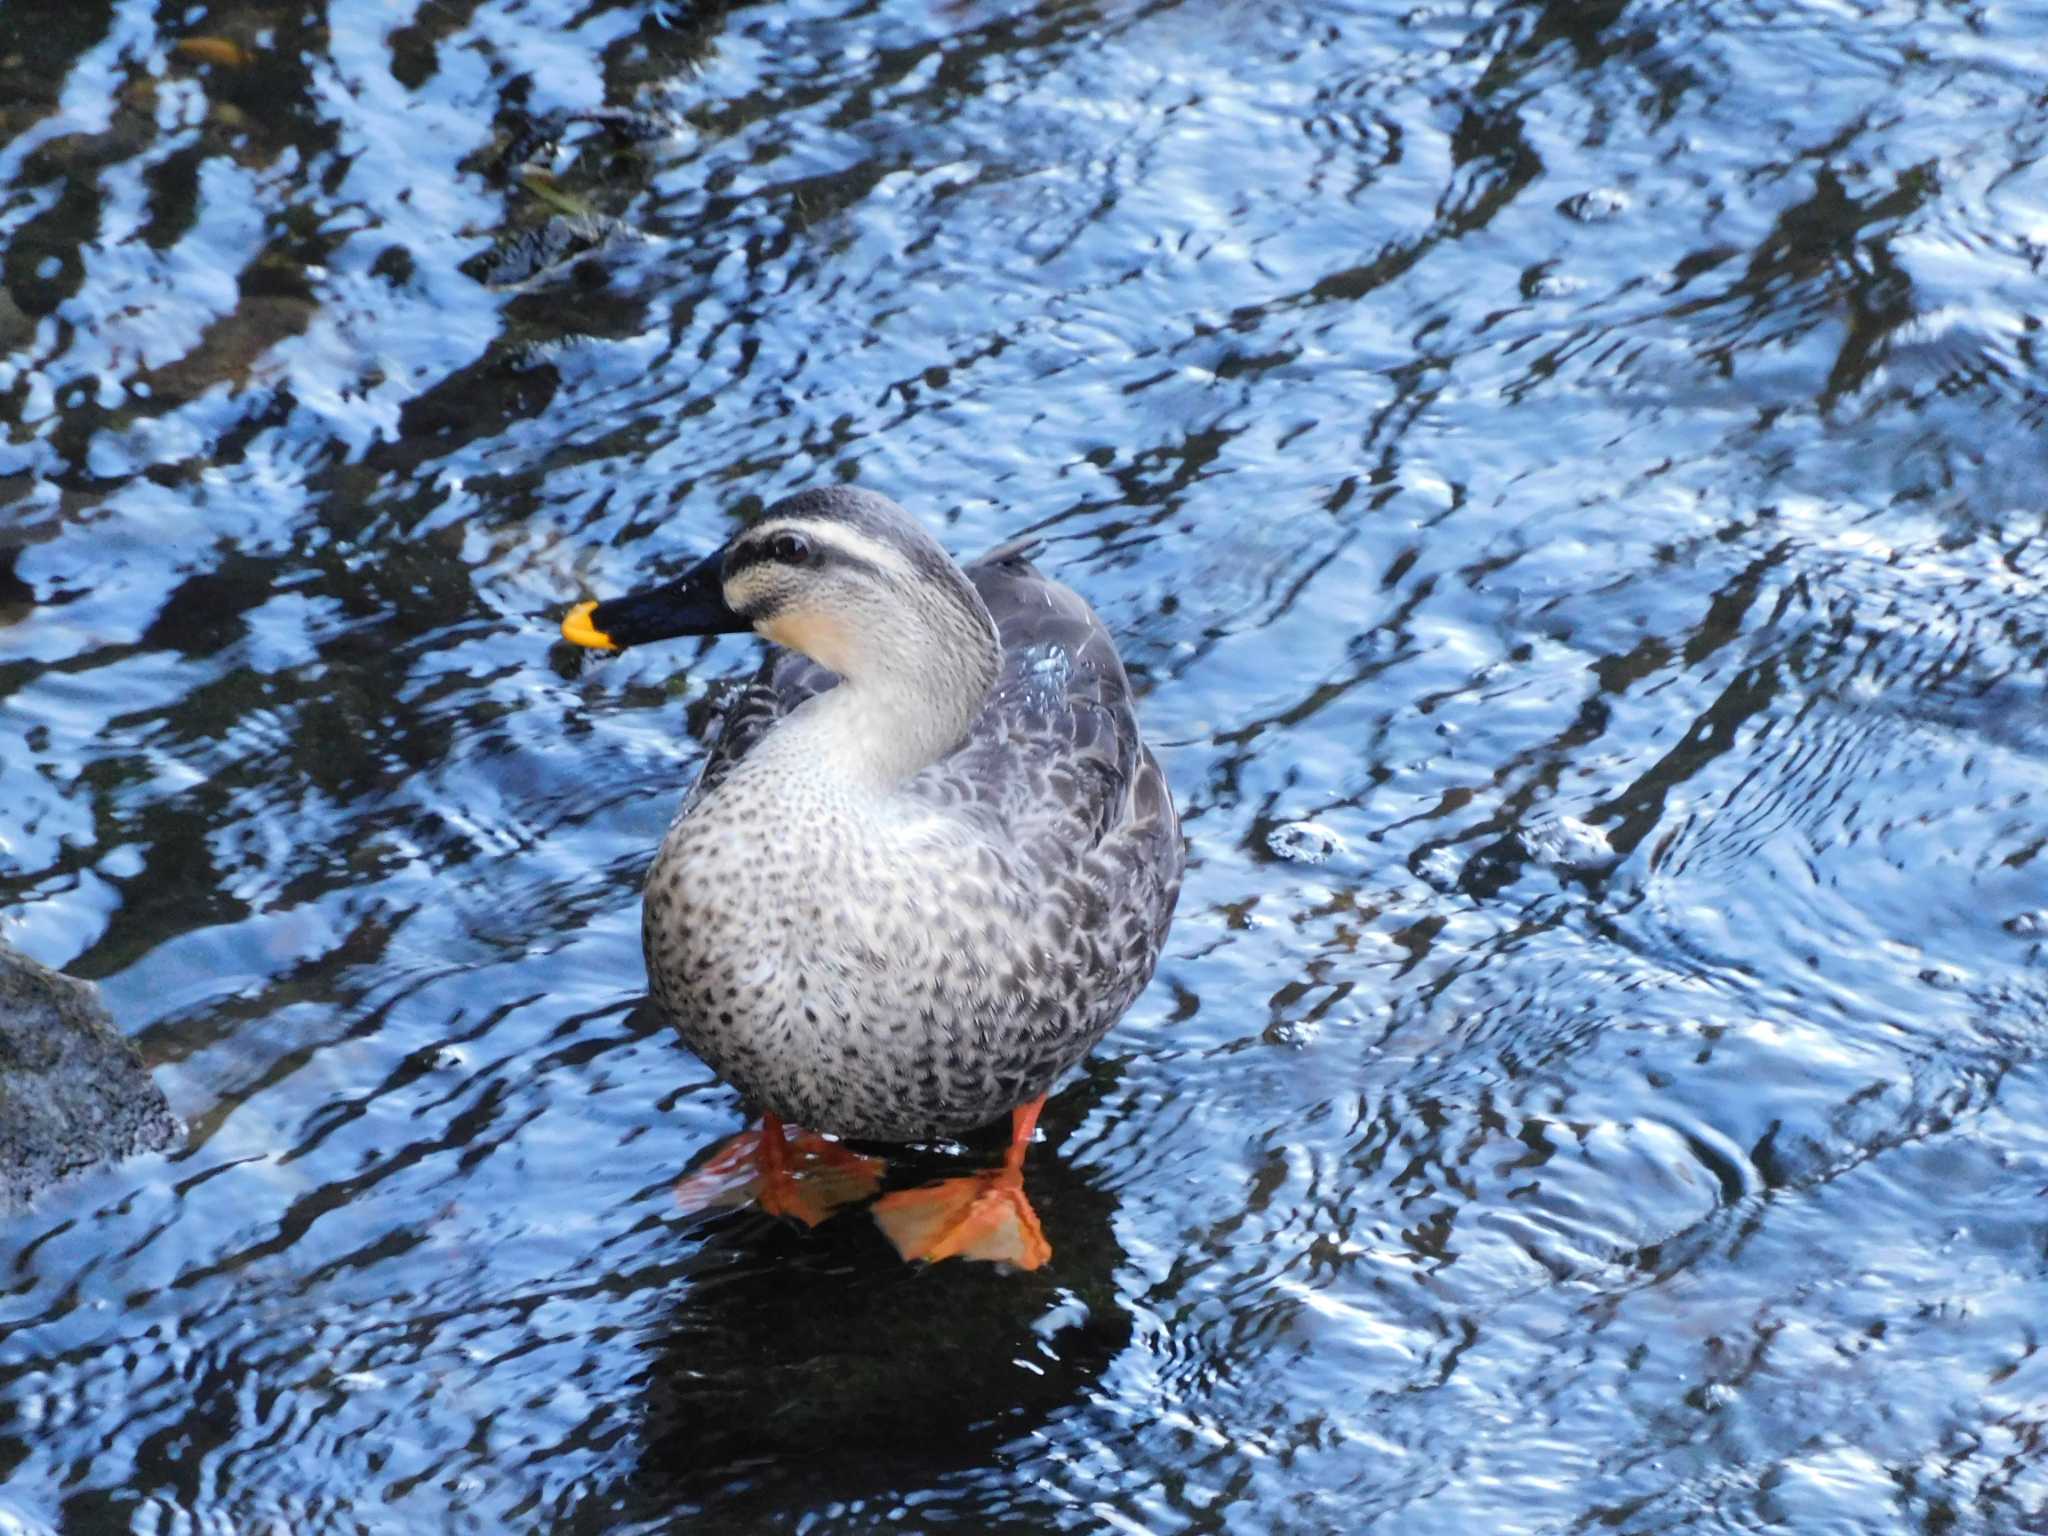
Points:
(1567, 479)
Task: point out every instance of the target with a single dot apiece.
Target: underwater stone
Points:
(74, 1094)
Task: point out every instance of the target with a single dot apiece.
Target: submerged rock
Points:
(74, 1093)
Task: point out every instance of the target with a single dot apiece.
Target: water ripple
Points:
(1563, 481)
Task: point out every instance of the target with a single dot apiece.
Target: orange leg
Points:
(806, 1177)
(979, 1216)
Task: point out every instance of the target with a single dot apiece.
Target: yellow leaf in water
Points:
(544, 187)
(213, 50)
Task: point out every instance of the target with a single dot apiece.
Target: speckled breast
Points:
(849, 999)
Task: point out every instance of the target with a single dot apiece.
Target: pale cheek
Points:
(822, 639)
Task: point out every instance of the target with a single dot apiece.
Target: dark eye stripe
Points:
(753, 552)
(818, 554)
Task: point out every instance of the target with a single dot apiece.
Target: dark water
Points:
(1569, 481)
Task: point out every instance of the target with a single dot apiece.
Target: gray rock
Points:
(74, 1093)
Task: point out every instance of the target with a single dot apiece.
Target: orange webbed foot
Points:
(805, 1177)
(820, 1178)
(981, 1216)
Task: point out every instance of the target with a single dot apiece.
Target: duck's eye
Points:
(790, 549)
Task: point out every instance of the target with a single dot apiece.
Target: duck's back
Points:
(1077, 853)
(1057, 769)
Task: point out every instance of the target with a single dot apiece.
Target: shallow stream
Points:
(1568, 480)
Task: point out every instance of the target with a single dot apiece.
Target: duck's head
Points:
(845, 576)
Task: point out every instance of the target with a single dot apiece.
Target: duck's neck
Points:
(880, 726)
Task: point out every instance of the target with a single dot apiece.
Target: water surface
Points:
(1566, 482)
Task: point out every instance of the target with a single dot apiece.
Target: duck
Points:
(928, 861)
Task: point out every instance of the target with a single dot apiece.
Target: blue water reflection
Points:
(1565, 479)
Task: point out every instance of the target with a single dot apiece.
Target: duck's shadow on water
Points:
(804, 1369)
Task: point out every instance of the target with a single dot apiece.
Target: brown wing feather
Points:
(1057, 759)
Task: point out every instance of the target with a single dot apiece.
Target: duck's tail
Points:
(1016, 553)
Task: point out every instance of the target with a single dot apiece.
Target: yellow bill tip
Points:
(578, 630)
